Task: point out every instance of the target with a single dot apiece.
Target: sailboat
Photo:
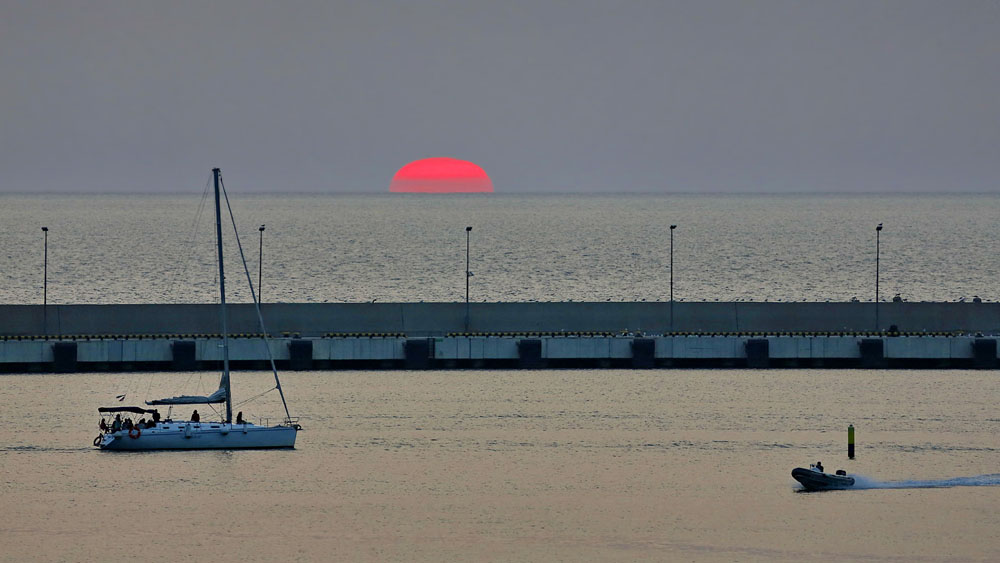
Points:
(171, 434)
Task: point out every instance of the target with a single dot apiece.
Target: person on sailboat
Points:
(103, 425)
(239, 418)
(195, 417)
(819, 466)
(156, 417)
(117, 424)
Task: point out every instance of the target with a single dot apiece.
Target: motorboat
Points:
(814, 479)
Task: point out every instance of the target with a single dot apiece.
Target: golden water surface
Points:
(568, 465)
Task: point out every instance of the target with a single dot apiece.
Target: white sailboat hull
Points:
(201, 436)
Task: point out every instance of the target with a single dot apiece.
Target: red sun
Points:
(441, 175)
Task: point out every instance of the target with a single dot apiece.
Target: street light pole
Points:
(45, 282)
(878, 232)
(672, 227)
(45, 269)
(468, 274)
(260, 261)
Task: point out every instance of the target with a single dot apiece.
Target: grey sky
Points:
(546, 96)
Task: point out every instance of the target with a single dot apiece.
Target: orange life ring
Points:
(138, 432)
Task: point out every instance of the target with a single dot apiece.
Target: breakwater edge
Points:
(502, 335)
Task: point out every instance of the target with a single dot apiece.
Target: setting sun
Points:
(441, 175)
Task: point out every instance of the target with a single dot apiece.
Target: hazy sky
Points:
(546, 96)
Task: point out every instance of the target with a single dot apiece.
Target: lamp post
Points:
(672, 227)
(468, 274)
(878, 232)
(45, 283)
(45, 269)
(260, 261)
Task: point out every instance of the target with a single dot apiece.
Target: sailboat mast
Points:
(222, 294)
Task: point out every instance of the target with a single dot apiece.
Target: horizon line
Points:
(501, 193)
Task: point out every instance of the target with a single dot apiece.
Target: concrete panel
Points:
(147, 351)
(452, 348)
(27, 352)
(921, 347)
(961, 347)
(249, 349)
(96, 350)
(366, 349)
(834, 347)
(793, 347)
(500, 348)
(475, 348)
(621, 347)
(785, 347)
(698, 347)
(210, 349)
(665, 347)
(562, 348)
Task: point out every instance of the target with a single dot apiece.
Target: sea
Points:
(570, 247)
(497, 465)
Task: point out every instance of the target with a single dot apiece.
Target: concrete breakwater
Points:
(505, 335)
(507, 351)
(439, 319)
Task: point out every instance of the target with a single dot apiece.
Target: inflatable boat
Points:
(813, 479)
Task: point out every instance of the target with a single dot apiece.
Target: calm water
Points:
(319, 248)
(542, 466)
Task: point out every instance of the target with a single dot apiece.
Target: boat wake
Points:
(990, 480)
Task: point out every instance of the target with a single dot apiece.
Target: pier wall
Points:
(481, 352)
(434, 319)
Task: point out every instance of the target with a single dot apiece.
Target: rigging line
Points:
(255, 397)
(179, 390)
(200, 211)
(148, 387)
(183, 386)
(256, 304)
(193, 231)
